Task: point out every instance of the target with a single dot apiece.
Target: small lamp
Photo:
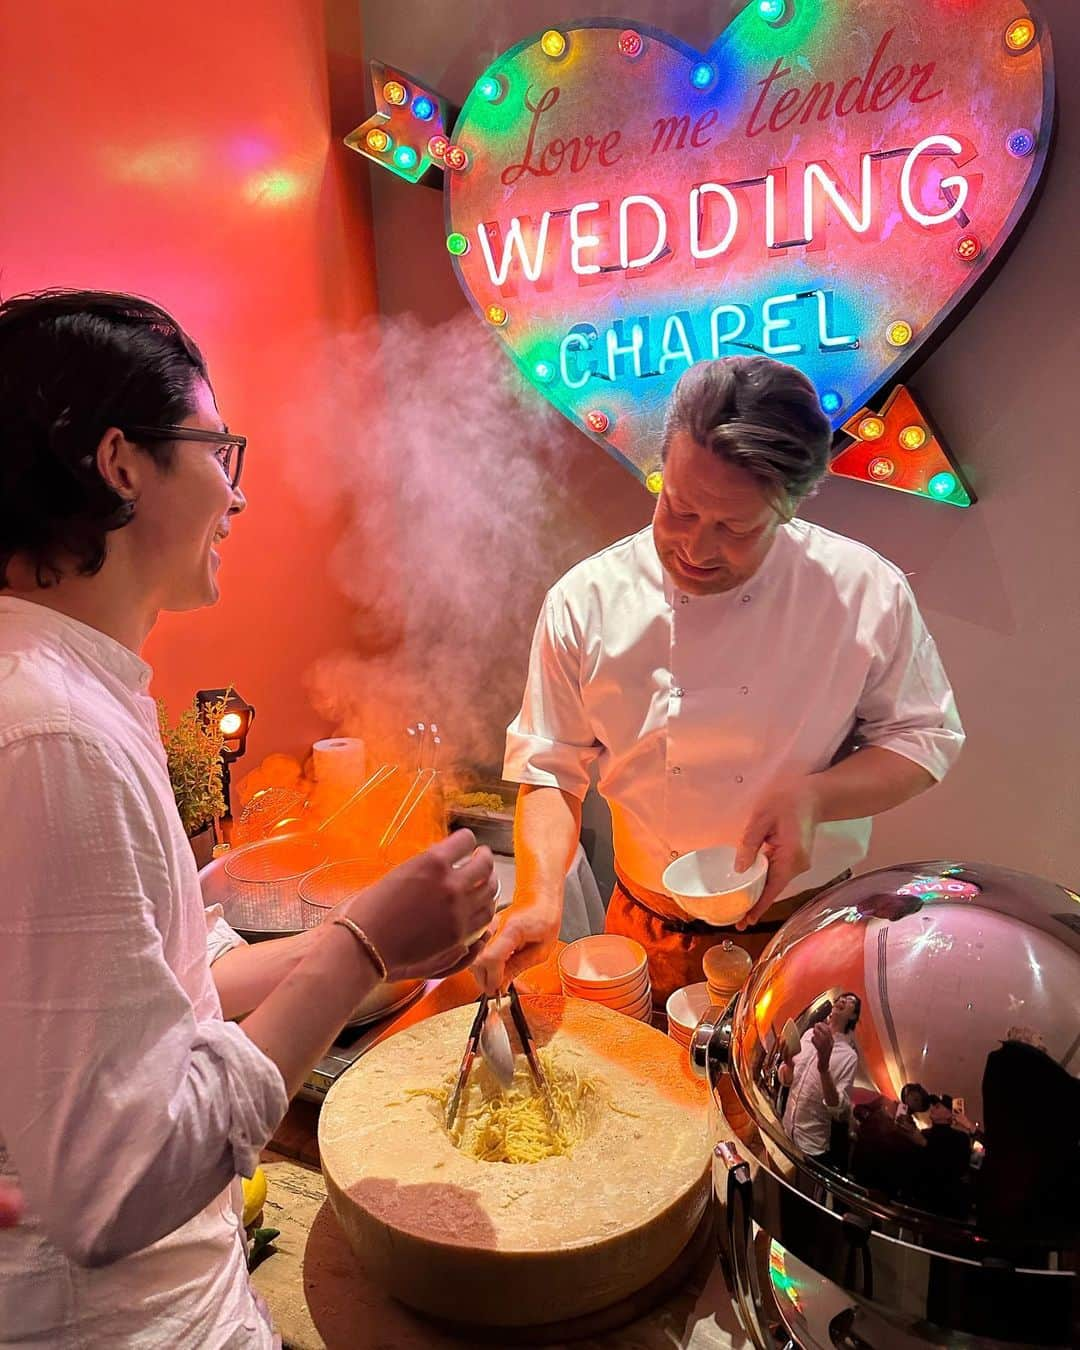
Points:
(234, 720)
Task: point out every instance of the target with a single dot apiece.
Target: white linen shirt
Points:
(807, 1118)
(691, 705)
(127, 1105)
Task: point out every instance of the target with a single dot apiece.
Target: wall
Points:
(998, 584)
(193, 155)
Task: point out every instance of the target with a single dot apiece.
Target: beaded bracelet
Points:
(368, 946)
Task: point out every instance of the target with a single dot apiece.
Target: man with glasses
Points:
(128, 1105)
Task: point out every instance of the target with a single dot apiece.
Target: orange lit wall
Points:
(193, 154)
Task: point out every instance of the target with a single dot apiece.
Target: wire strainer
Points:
(266, 812)
(327, 886)
(265, 874)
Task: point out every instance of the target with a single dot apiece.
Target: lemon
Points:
(254, 1196)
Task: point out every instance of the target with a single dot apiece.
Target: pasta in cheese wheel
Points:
(511, 1222)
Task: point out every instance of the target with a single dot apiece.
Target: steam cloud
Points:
(462, 507)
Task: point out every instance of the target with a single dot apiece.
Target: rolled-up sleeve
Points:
(551, 742)
(123, 1112)
(907, 704)
(220, 938)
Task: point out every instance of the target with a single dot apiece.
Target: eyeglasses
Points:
(231, 456)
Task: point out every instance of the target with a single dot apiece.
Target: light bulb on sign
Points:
(899, 334)
(772, 10)
(871, 429)
(655, 482)
(455, 158)
(544, 371)
(553, 44)
(496, 314)
(378, 141)
(630, 43)
(1019, 35)
(423, 108)
(881, 468)
(702, 75)
(831, 401)
(598, 421)
(438, 146)
(1020, 143)
(490, 88)
(405, 157)
(457, 244)
(967, 248)
(942, 485)
(394, 92)
(913, 438)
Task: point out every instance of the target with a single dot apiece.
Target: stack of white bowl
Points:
(685, 1009)
(609, 969)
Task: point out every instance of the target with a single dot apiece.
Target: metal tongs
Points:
(528, 1044)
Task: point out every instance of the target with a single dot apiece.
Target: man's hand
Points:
(526, 935)
(823, 1044)
(782, 827)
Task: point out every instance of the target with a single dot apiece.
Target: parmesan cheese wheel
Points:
(519, 1244)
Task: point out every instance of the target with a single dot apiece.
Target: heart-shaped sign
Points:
(827, 185)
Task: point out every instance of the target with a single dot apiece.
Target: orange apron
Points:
(676, 943)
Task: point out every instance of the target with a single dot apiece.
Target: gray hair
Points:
(758, 414)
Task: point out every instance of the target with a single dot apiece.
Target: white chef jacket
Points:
(127, 1105)
(807, 1119)
(691, 705)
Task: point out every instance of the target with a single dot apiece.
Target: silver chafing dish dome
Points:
(938, 1202)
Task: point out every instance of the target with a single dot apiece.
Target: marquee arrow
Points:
(897, 448)
(409, 130)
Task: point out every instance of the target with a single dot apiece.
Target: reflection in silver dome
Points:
(969, 982)
(908, 1048)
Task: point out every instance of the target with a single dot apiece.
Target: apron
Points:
(676, 943)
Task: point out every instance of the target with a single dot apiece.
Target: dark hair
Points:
(923, 1095)
(72, 365)
(758, 414)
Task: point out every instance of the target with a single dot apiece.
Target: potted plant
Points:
(193, 748)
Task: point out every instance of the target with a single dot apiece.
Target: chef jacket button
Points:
(676, 769)
(745, 689)
(746, 599)
(674, 853)
(684, 599)
(676, 693)
(738, 778)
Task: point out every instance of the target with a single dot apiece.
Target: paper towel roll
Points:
(338, 763)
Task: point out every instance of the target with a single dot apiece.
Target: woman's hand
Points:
(429, 917)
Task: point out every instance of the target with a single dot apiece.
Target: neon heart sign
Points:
(829, 185)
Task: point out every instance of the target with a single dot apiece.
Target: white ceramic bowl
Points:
(641, 1012)
(632, 985)
(686, 1007)
(707, 886)
(603, 960)
(620, 1002)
